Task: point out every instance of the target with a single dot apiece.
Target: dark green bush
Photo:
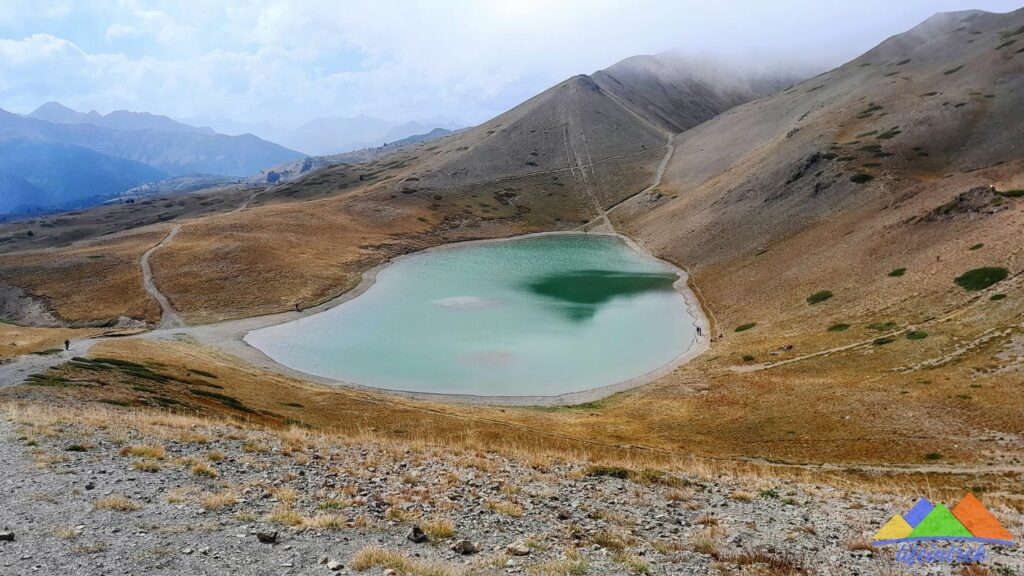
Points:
(861, 178)
(745, 327)
(840, 327)
(883, 341)
(898, 272)
(819, 297)
(981, 278)
(998, 297)
(917, 335)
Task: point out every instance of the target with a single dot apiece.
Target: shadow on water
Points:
(580, 294)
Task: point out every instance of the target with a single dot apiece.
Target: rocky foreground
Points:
(123, 492)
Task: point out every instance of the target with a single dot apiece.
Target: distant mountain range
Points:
(331, 134)
(57, 113)
(57, 158)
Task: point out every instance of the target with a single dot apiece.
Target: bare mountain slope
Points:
(940, 100)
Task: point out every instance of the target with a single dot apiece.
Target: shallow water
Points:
(542, 315)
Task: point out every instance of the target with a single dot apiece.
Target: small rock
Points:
(416, 534)
(267, 537)
(465, 547)
(7, 536)
(517, 549)
(334, 565)
(564, 514)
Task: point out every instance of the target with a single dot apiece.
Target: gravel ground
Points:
(194, 499)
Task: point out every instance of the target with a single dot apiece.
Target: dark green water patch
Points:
(580, 294)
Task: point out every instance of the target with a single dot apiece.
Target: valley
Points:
(848, 245)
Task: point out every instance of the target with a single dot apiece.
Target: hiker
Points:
(67, 345)
(698, 330)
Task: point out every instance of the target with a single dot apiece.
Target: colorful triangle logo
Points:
(967, 521)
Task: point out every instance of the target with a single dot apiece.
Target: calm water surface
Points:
(542, 315)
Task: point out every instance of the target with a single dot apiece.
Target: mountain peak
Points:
(54, 111)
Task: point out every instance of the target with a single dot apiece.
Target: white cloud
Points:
(288, 61)
(118, 31)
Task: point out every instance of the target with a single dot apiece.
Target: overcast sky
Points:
(289, 61)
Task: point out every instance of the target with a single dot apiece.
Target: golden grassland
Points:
(18, 340)
(951, 399)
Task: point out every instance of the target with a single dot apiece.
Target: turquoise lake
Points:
(532, 316)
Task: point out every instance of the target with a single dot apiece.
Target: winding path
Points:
(169, 317)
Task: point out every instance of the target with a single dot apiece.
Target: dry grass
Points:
(377, 557)
(152, 451)
(438, 528)
(706, 540)
(203, 469)
(146, 465)
(218, 500)
(636, 564)
(574, 564)
(859, 544)
(119, 503)
(609, 539)
(505, 507)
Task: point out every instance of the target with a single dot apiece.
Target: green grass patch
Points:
(1010, 193)
(917, 335)
(981, 278)
(882, 326)
(839, 327)
(745, 327)
(48, 352)
(204, 373)
(819, 297)
(228, 401)
(896, 273)
(861, 178)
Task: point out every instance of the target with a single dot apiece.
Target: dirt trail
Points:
(21, 367)
(169, 317)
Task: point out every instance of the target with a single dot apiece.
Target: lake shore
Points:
(229, 337)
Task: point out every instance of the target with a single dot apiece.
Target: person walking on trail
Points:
(67, 345)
